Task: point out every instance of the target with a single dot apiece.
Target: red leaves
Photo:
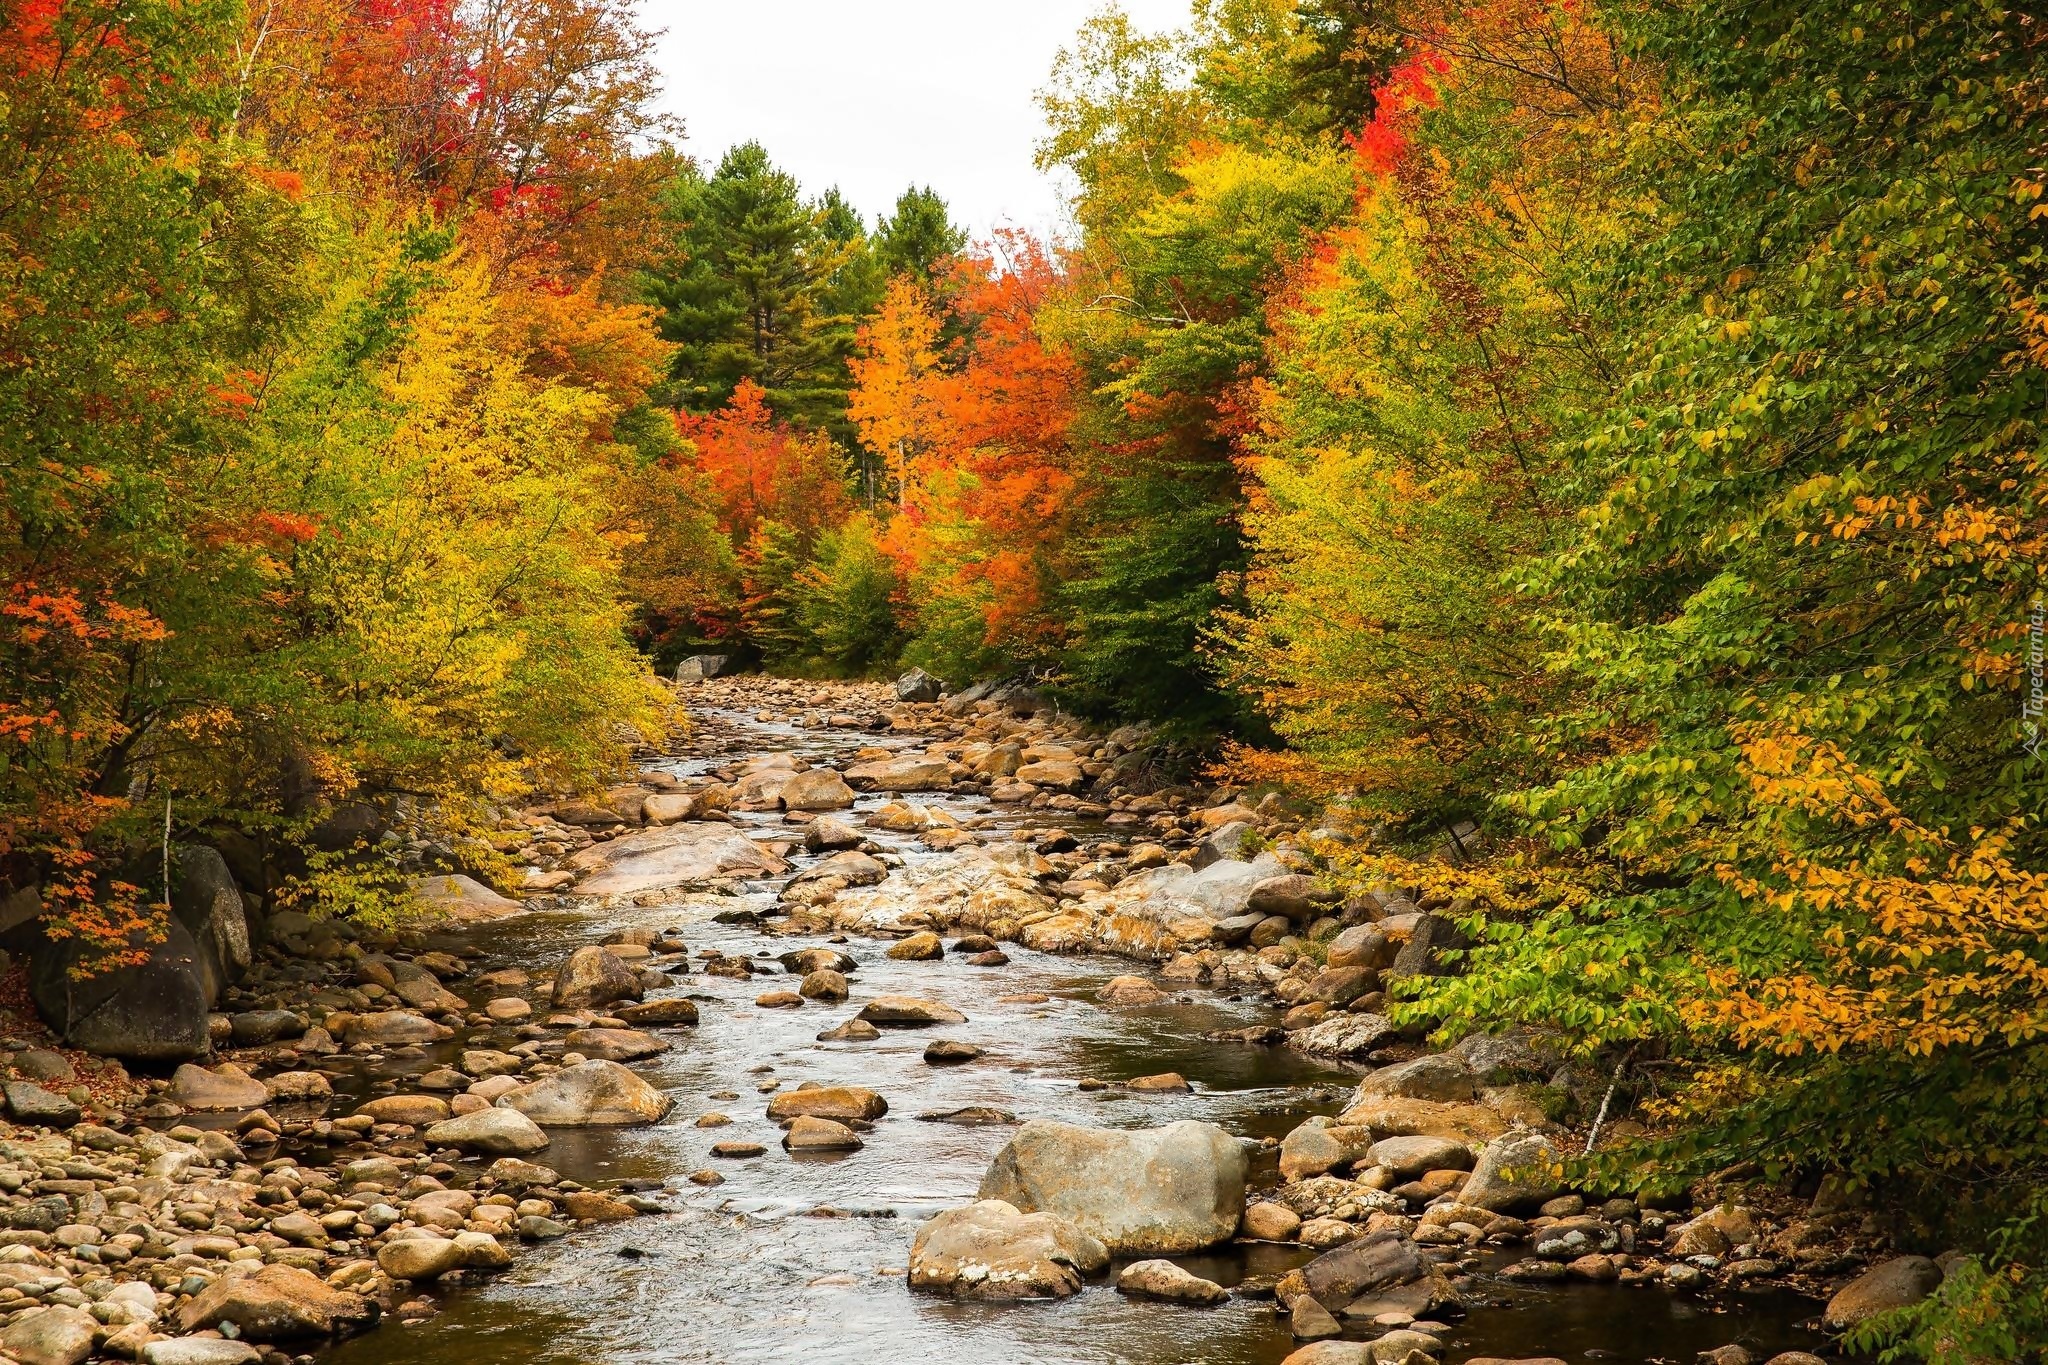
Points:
(1409, 88)
(765, 470)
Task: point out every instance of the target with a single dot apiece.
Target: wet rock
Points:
(395, 1028)
(589, 1094)
(809, 1134)
(1518, 1171)
(1129, 990)
(818, 789)
(417, 1110)
(591, 1206)
(614, 1044)
(737, 1150)
(226, 1087)
(852, 1031)
(260, 1028)
(1373, 1263)
(1725, 1355)
(28, 1102)
(909, 1011)
(991, 1250)
(518, 1175)
(1165, 1280)
(824, 984)
(655, 1013)
(1166, 1190)
(593, 976)
(492, 1131)
(1270, 1222)
(1339, 986)
(277, 1303)
(419, 1258)
(1896, 1283)
(970, 1116)
(919, 947)
(948, 1051)
(839, 1102)
(1442, 1076)
(1165, 1083)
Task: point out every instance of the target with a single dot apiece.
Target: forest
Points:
(1615, 426)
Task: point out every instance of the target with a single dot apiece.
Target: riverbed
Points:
(795, 1258)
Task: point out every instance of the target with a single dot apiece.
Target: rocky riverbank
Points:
(375, 1122)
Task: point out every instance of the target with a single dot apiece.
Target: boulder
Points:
(464, 899)
(1225, 844)
(1318, 1146)
(1166, 1190)
(698, 667)
(1518, 1171)
(154, 1011)
(277, 1303)
(1408, 1157)
(918, 685)
(417, 1110)
(808, 1134)
(493, 1131)
(826, 835)
(1334, 1353)
(207, 901)
(676, 855)
(823, 984)
(199, 1351)
(1375, 1262)
(614, 1044)
(49, 1336)
(923, 946)
(1423, 953)
(589, 1094)
(1129, 990)
(227, 1087)
(260, 1028)
(993, 1250)
(1442, 1076)
(28, 1102)
(1362, 945)
(909, 773)
(670, 1011)
(1345, 1035)
(594, 976)
(419, 1258)
(908, 1011)
(1291, 894)
(837, 1102)
(818, 789)
(1896, 1283)
(1270, 1222)
(395, 1028)
(1165, 1280)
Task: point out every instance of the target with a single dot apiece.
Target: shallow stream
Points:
(801, 1259)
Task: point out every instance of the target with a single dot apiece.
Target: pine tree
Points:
(743, 291)
(919, 236)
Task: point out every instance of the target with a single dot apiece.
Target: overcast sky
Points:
(874, 95)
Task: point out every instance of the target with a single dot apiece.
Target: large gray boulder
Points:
(698, 667)
(154, 1011)
(1152, 1191)
(592, 976)
(589, 1095)
(207, 901)
(993, 1250)
(1444, 1076)
(494, 1132)
(1370, 1266)
(277, 1303)
(918, 685)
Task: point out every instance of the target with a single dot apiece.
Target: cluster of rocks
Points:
(246, 1210)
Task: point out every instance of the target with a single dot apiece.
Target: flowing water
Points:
(802, 1258)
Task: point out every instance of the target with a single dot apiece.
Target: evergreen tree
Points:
(919, 236)
(743, 293)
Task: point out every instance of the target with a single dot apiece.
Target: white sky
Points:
(875, 95)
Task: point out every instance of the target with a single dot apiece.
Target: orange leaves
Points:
(764, 470)
(1925, 942)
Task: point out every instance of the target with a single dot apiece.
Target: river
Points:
(801, 1258)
